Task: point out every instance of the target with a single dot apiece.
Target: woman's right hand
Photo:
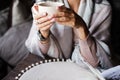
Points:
(42, 21)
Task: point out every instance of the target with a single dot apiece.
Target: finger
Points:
(62, 19)
(44, 19)
(63, 14)
(35, 12)
(71, 24)
(58, 14)
(47, 27)
(46, 23)
(38, 16)
(61, 8)
(34, 9)
(64, 9)
(67, 11)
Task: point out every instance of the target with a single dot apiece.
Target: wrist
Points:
(83, 33)
(43, 39)
(45, 34)
(46, 41)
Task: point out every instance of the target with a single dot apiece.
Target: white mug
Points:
(48, 7)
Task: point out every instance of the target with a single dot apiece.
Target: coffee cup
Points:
(48, 7)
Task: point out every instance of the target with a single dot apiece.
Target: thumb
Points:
(34, 9)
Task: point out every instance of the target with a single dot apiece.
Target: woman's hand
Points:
(68, 17)
(42, 21)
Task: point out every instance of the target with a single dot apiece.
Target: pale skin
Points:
(64, 16)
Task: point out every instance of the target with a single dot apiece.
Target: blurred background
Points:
(9, 19)
(115, 30)
(5, 4)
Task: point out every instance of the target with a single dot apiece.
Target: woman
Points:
(81, 32)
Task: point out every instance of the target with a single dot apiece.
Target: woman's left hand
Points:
(68, 17)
